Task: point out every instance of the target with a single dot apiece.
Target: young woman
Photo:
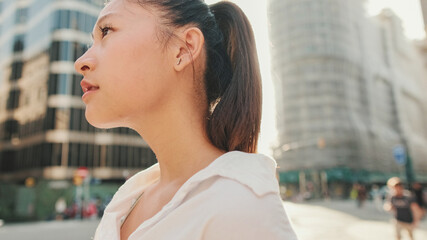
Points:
(185, 76)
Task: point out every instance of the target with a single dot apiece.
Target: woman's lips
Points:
(87, 88)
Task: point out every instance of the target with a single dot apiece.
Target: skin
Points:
(140, 85)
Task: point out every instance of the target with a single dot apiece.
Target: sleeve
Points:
(251, 219)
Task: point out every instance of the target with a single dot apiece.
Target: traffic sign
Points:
(82, 172)
(399, 154)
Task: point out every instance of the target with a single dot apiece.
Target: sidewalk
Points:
(314, 220)
(52, 230)
(342, 220)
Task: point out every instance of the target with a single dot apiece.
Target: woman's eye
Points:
(105, 31)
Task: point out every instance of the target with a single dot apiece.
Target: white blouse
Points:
(235, 197)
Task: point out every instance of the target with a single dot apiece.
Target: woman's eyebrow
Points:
(106, 16)
(102, 19)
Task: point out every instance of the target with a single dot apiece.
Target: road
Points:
(342, 220)
(332, 220)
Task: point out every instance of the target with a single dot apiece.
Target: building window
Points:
(13, 100)
(96, 156)
(59, 84)
(21, 15)
(54, 51)
(52, 82)
(83, 154)
(50, 119)
(63, 51)
(7, 160)
(18, 44)
(62, 86)
(31, 128)
(11, 129)
(55, 20)
(81, 23)
(74, 119)
(78, 50)
(16, 70)
(74, 20)
(64, 20)
(90, 155)
(67, 19)
(77, 89)
(73, 155)
(56, 154)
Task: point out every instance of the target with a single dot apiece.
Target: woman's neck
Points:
(181, 145)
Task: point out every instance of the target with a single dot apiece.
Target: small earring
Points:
(179, 61)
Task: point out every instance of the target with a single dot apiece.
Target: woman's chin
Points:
(98, 121)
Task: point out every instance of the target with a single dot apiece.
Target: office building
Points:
(424, 11)
(349, 89)
(423, 43)
(43, 130)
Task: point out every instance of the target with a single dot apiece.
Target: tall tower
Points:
(313, 69)
(43, 130)
(348, 90)
(423, 44)
(424, 10)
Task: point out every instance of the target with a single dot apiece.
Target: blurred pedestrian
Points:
(353, 192)
(100, 206)
(404, 208)
(60, 207)
(418, 193)
(377, 197)
(361, 196)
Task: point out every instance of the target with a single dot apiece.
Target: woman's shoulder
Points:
(234, 208)
(256, 172)
(238, 181)
(226, 193)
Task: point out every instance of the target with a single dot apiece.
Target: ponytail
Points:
(232, 77)
(234, 123)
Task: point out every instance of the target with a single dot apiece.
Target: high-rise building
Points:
(43, 130)
(349, 89)
(424, 11)
(423, 43)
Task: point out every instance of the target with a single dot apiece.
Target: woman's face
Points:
(127, 71)
(398, 188)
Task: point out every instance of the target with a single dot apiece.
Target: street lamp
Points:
(320, 143)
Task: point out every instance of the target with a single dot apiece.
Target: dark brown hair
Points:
(232, 76)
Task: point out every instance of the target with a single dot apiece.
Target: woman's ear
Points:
(189, 47)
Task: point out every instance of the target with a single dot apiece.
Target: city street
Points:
(333, 220)
(342, 220)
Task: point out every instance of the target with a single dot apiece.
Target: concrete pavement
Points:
(342, 220)
(55, 230)
(318, 220)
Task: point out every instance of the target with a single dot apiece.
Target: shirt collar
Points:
(255, 171)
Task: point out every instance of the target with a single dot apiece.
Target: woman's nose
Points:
(84, 64)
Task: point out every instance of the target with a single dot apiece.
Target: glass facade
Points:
(39, 42)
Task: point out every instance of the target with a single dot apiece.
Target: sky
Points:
(409, 11)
